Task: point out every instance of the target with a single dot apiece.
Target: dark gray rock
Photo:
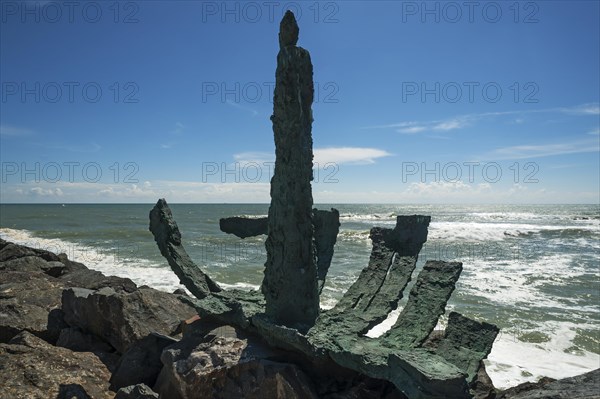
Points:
(419, 373)
(409, 234)
(365, 388)
(327, 227)
(26, 300)
(31, 285)
(16, 257)
(466, 343)
(228, 364)
(95, 280)
(138, 391)
(14, 251)
(579, 387)
(141, 363)
(33, 263)
(379, 287)
(290, 282)
(288, 30)
(122, 318)
(76, 340)
(232, 306)
(229, 307)
(72, 391)
(32, 368)
(426, 303)
(483, 387)
(244, 227)
(168, 238)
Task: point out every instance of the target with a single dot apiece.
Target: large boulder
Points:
(34, 369)
(138, 391)
(123, 318)
(226, 364)
(141, 363)
(94, 280)
(31, 285)
(76, 340)
(33, 264)
(26, 300)
(10, 251)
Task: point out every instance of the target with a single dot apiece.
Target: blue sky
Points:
(417, 102)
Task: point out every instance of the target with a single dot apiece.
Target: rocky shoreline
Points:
(70, 332)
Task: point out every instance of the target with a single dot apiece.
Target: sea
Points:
(533, 270)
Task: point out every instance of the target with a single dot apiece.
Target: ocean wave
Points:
(239, 286)
(512, 361)
(375, 218)
(519, 282)
(511, 216)
(253, 216)
(475, 231)
(354, 235)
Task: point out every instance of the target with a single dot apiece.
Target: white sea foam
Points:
(240, 286)
(354, 236)
(517, 282)
(377, 219)
(513, 362)
(508, 215)
(254, 216)
(385, 325)
(465, 231)
(475, 231)
(109, 262)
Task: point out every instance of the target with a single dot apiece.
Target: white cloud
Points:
(255, 157)
(241, 107)
(543, 150)
(147, 192)
(348, 155)
(41, 192)
(445, 189)
(441, 192)
(322, 156)
(14, 131)
(451, 124)
(84, 148)
(178, 129)
(583, 109)
(197, 192)
(461, 121)
(411, 129)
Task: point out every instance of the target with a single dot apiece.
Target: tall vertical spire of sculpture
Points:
(290, 282)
